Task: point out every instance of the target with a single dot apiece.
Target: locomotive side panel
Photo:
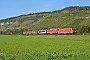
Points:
(65, 31)
(68, 30)
(52, 31)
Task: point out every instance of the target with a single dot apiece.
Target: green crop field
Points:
(44, 47)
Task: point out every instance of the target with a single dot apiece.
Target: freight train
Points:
(58, 31)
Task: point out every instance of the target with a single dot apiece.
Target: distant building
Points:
(7, 23)
(2, 23)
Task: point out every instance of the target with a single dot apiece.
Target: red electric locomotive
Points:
(52, 31)
(67, 31)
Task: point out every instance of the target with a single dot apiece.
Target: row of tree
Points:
(83, 30)
(77, 8)
(80, 30)
(13, 32)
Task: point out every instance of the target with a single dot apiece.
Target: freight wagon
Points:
(42, 32)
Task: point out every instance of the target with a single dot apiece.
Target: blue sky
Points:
(12, 8)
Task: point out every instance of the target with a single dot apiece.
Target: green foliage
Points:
(77, 21)
(44, 47)
(77, 8)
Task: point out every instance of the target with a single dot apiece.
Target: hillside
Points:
(75, 16)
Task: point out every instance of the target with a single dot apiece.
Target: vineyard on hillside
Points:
(70, 17)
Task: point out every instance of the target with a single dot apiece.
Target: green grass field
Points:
(46, 47)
